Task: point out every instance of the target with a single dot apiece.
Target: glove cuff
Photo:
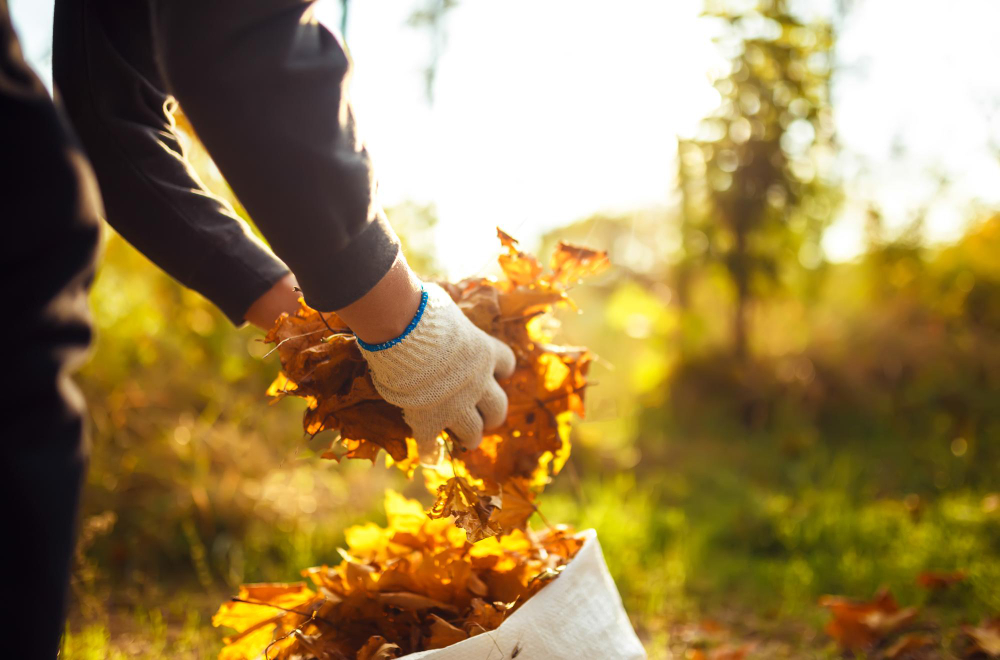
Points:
(371, 348)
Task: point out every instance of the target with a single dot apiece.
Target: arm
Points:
(264, 86)
(105, 73)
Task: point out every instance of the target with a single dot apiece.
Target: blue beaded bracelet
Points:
(392, 342)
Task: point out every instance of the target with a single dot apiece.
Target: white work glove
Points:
(441, 372)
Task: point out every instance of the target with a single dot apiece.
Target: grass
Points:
(701, 564)
(182, 631)
(690, 545)
(721, 539)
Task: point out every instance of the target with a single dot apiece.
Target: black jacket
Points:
(265, 88)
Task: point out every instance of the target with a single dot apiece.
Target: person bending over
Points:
(264, 85)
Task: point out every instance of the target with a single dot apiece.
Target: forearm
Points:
(105, 73)
(384, 312)
(265, 88)
(281, 298)
(380, 315)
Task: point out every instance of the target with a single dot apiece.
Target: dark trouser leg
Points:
(49, 230)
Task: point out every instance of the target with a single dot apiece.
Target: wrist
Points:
(387, 310)
(398, 338)
(283, 296)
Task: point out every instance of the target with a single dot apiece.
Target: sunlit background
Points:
(798, 346)
(542, 113)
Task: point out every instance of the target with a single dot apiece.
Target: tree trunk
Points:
(741, 275)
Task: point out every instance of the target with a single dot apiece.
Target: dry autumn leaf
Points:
(415, 584)
(443, 633)
(908, 646)
(470, 509)
(422, 582)
(724, 652)
(858, 625)
(935, 580)
(985, 638)
(376, 648)
(490, 490)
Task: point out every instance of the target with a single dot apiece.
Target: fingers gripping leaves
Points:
(440, 372)
(488, 486)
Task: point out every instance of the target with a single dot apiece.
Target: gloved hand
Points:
(441, 372)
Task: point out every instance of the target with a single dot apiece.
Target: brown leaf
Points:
(410, 601)
(480, 302)
(484, 616)
(414, 584)
(421, 582)
(262, 614)
(443, 634)
(985, 638)
(469, 507)
(506, 239)
(936, 580)
(860, 625)
(907, 645)
(724, 652)
(521, 269)
(571, 263)
(516, 505)
(376, 648)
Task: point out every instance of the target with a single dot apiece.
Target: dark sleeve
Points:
(50, 211)
(264, 85)
(105, 74)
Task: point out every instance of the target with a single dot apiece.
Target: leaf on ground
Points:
(908, 645)
(723, 652)
(936, 580)
(985, 638)
(859, 625)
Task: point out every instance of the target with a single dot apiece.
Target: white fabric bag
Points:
(578, 615)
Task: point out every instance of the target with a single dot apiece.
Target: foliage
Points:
(859, 626)
(755, 181)
(853, 446)
(421, 583)
(489, 490)
(416, 584)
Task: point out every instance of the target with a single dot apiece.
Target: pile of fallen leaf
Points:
(422, 582)
(413, 585)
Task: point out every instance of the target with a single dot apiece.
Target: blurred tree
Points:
(430, 15)
(344, 6)
(756, 180)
